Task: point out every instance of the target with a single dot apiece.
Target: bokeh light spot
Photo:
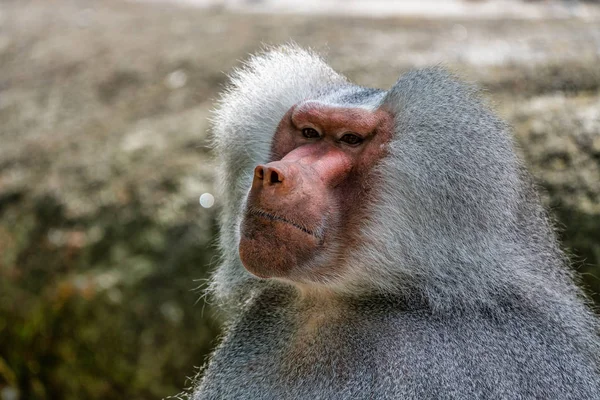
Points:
(207, 200)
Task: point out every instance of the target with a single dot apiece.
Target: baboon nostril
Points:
(274, 177)
(259, 172)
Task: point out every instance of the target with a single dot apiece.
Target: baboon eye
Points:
(351, 139)
(310, 133)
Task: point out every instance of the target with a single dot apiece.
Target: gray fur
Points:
(460, 290)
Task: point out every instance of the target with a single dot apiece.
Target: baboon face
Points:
(305, 206)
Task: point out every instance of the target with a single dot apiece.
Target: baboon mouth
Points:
(271, 217)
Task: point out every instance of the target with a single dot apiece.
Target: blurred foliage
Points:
(99, 307)
(104, 249)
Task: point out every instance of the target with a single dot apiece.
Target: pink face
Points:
(305, 205)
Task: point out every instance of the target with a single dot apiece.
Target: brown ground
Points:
(103, 126)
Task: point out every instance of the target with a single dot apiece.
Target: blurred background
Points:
(104, 246)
